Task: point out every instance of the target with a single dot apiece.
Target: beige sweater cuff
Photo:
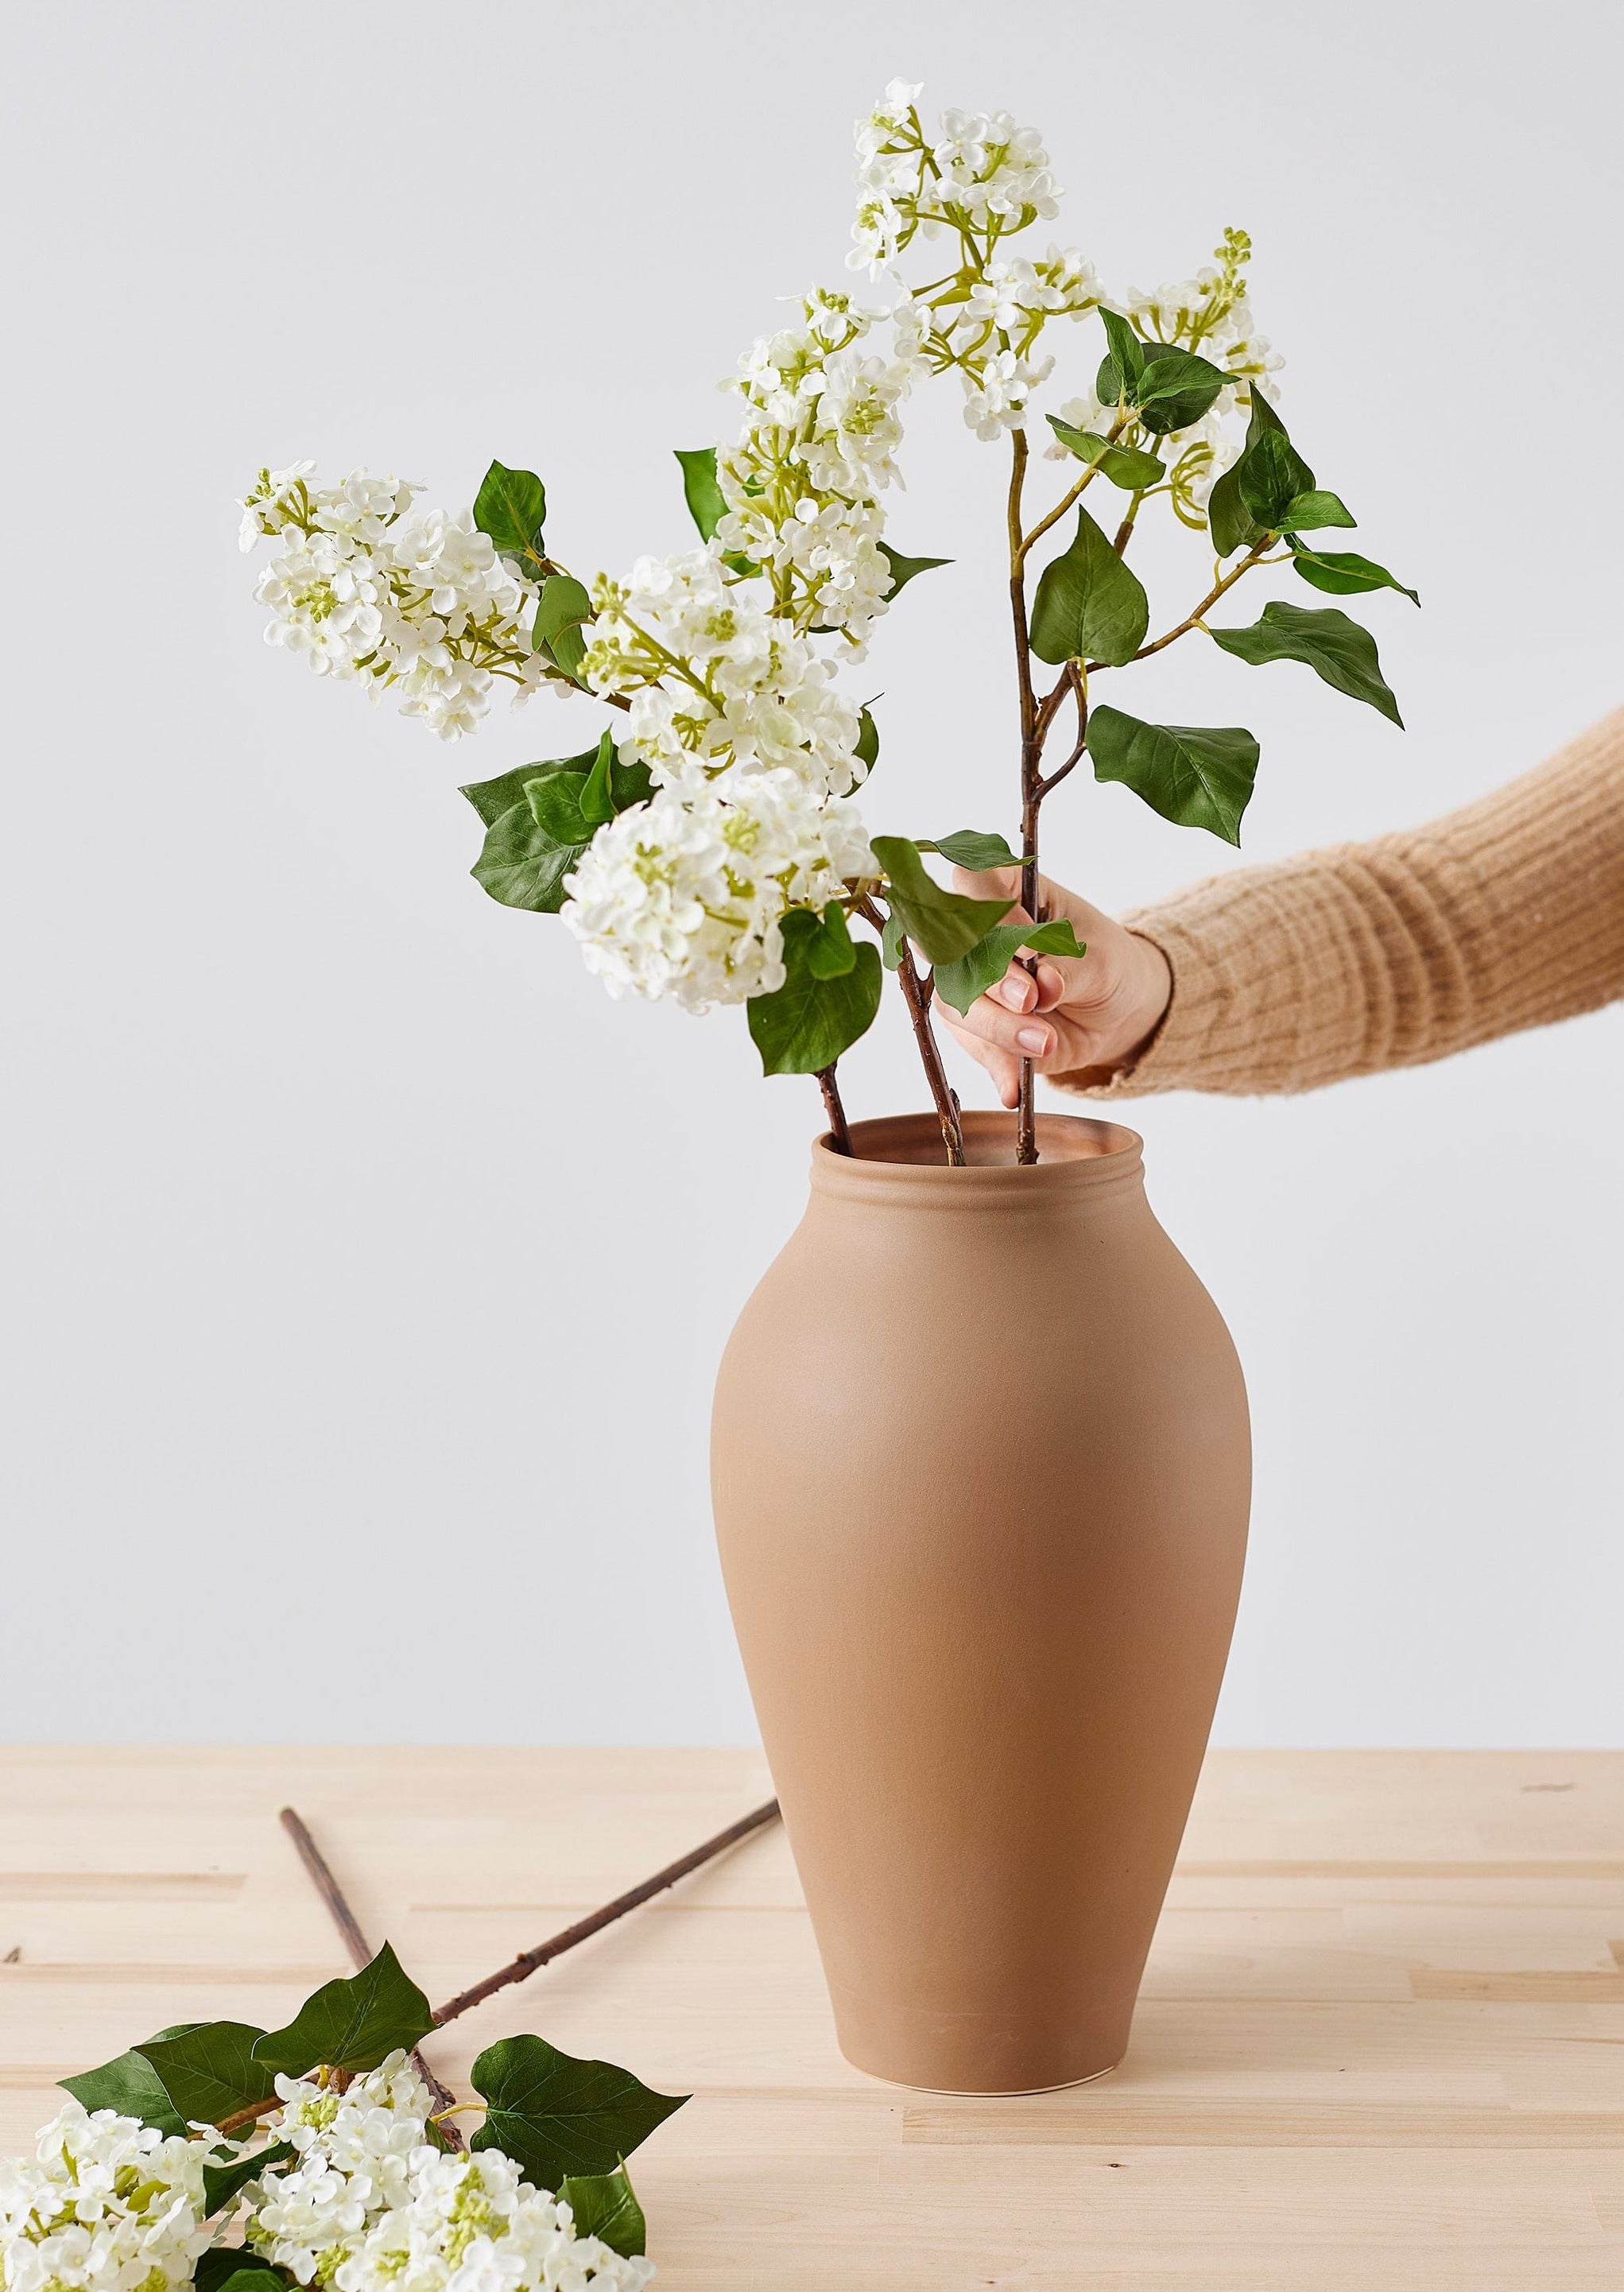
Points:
(1508, 914)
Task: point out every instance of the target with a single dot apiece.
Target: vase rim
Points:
(898, 1157)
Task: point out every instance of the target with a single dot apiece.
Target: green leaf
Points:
(1118, 375)
(209, 2070)
(1089, 605)
(903, 568)
(351, 2024)
(700, 490)
(604, 2206)
(1177, 388)
(597, 798)
(1123, 466)
(945, 924)
(1328, 642)
(133, 2087)
(1314, 509)
(221, 2262)
(1228, 520)
(223, 2183)
(807, 1023)
(1194, 777)
(491, 798)
(972, 847)
(890, 944)
(537, 829)
(868, 748)
(1271, 473)
(831, 951)
(510, 507)
(1344, 573)
(960, 983)
(521, 864)
(249, 2275)
(562, 607)
(557, 2115)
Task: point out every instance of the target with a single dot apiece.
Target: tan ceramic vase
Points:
(982, 1471)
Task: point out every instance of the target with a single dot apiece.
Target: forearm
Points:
(1506, 915)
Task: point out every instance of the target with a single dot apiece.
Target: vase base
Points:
(986, 2092)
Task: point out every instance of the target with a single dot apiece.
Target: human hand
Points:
(1094, 1011)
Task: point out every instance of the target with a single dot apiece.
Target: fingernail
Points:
(1032, 1039)
(1011, 993)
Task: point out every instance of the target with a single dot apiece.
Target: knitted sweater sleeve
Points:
(1508, 914)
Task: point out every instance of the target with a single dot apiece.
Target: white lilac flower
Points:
(989, 167)
(686, 895)
(357, 2155)
(997, 401)
(721, 690)
(984, 180)
(473, 2224)
(275, 497)
(104, 2204)
(816, 450)
(367, 589)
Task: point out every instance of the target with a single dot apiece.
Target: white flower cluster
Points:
(367, 589)
(982, 179)
(686, 895)
(720, 690)
(104, 2204)
(373, 2206)
(1208, 314)
(803, 482)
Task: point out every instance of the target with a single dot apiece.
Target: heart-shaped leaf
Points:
(521, 864)
(960, 983)
(352, 2023)
(130, 2084)
(1124, 465)
(945, 924)
(556, 2115)
(831, 951)
(561, 611)
(1177, 388)
(604, 2206)
(805, 1024)
(1335, 647)
(1118, 375)
(511, 506)
(209, 2072)
(1196, 776)
(1271, 473)
(1311, 510)
(971, 847)
(1089, 605)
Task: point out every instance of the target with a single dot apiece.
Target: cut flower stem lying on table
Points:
(359, 2174)
(704, 844)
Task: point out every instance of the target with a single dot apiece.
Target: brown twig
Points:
(360, 1948)
(1034, 727)
(916, 995)
(835, 1111)
(528, 1960)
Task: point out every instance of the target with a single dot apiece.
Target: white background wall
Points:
(364, 1268)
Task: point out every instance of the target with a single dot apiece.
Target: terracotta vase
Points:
(982, 1470)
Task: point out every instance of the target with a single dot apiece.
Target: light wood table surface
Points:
(1380, 2044)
